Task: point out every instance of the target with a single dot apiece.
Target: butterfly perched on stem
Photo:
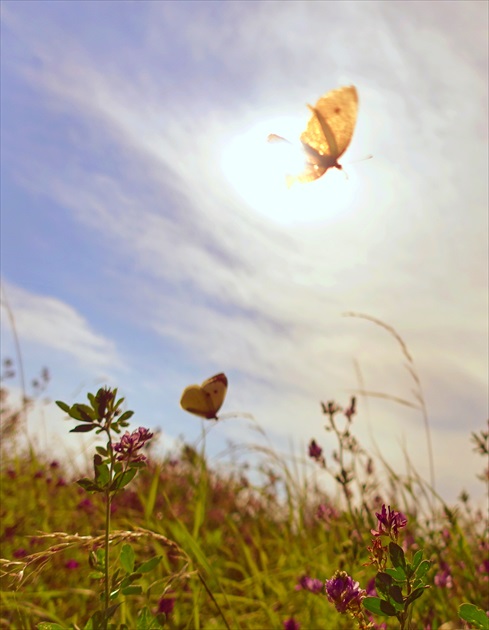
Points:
(205, 400)
(328, 133)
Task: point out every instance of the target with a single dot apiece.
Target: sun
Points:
(257, 173)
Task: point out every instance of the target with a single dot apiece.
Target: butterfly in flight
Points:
(328, 133)
(205, 400)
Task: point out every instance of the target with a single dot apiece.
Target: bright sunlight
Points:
(257, 171)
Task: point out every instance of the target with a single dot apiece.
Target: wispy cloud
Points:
(51, 323)
(139, 116)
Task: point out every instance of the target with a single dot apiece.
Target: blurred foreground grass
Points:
(235, 552)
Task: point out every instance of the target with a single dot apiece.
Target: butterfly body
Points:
(205, 400)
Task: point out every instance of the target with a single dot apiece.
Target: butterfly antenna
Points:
(368, 157)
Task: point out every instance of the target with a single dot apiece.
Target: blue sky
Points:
(149, 241)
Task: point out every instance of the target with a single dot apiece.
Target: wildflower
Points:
(330, 408)
(291, 624)
(344, 592)
(309, 584)
(327, 512)
(484, 567)
(315, 451)
(378, 554)
(370, 590)
(72, 564)
(86, 505)
(130, 443)
(20, 553)
(443, 578)
(166, 605)
(389, 523)
(351, 411)
(369, 468)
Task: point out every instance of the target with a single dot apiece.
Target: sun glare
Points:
(257, 170)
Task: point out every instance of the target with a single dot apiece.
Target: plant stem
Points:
(108, 497)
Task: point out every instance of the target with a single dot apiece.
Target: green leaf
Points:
(397, 574)
(423, 569)
(103, 452)
(46, 625)
(102, 474)
(135, 589)
(418, 556)
(383, 581)
(84, 428)
(129, 579)
(89, 485)
(372, 604)
(66, 408)
(120, 481)
(127, 558)
(125, 416)
(96, 575)
(397, 555)
(387, 608)
(83, 413)
(146, 621)
(396, 594)
(474, 615)
(414, 595)
(149, 565)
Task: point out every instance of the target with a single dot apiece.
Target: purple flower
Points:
(130, 443)
(389, 523)
(344, 592)
(309, 584)
(20, 552)
(166, 605)
(371, 591)
(443, 578)
(72, 564)
(316, 452)
(327, 512)
(352, 409)
(291, 624)
(86, 505)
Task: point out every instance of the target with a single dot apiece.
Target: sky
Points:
(149, 240)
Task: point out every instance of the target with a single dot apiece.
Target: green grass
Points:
(232, 549)
(249, 544)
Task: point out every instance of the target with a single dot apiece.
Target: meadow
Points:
(144, 541)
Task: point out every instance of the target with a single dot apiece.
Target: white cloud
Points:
(52, 323)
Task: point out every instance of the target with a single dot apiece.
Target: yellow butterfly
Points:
(205, 400)
(328, 133)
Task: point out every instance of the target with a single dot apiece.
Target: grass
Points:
(223, 550)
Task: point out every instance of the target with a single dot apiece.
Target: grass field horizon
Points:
(255, 543)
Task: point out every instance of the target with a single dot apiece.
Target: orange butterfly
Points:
(328, 133)
(205, 400)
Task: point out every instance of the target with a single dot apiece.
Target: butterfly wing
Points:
(205, 400)
(330, 128)
(216, 388)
